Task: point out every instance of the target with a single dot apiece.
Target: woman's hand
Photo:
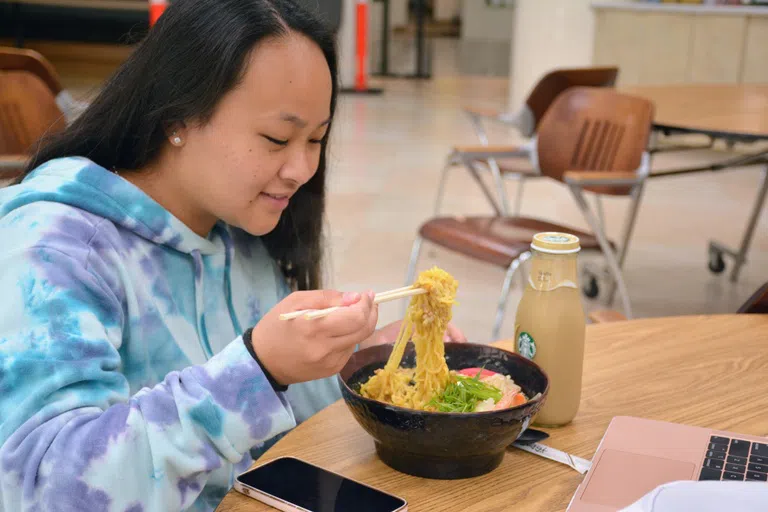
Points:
(301, 350)
(388, 334)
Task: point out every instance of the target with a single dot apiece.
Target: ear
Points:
(176, 133)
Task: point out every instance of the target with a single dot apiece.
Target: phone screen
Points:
(316, 489)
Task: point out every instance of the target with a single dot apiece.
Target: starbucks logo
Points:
(526, 346)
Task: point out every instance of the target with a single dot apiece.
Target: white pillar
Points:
(548, 34)
(346, 43)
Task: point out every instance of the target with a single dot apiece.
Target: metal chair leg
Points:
(452, 160)
(472, 166)
(600, 211)
(740, 256)
(412, 263)
(415, 251)
(519, 196)
(629, 226)
(608, 253)
(502, 306)
(501, 191)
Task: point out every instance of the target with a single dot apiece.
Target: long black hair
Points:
(195, 55)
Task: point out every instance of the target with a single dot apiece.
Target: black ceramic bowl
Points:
(443, 445)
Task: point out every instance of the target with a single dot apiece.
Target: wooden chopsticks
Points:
(398, 293)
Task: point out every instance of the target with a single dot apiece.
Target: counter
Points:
(682, 43)
(747, 10)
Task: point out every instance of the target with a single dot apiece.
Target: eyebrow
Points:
(301, 123)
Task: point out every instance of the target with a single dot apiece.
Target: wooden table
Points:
(734, 113)
(710, 371)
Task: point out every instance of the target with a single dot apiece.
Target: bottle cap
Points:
(556, 243)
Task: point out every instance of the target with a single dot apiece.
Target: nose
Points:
(300, 165)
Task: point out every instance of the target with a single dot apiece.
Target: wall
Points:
(447, 10)
(481, 22)
(486, 38)
(548, 34)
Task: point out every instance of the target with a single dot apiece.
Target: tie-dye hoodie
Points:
(124, 382)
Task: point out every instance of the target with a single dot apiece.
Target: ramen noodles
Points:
(431, 386)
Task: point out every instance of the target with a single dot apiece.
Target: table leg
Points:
(740, 256)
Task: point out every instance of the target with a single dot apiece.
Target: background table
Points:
(739, 112)
(734, 113)
(708, 371)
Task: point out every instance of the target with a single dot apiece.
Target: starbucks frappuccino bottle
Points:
(550, 324)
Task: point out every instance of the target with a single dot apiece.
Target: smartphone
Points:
(293, 485)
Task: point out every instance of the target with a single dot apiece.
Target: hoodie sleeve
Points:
(72, 437)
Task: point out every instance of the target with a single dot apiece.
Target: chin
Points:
(259, 227)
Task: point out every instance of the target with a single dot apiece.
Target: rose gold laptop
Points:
(637, 455)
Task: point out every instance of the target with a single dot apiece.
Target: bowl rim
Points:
(399, 408)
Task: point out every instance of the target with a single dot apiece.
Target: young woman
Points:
(147, 255)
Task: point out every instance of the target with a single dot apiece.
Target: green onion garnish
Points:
(463, 393)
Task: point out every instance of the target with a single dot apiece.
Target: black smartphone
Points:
(290, 484)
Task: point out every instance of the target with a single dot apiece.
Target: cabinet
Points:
(654, 44)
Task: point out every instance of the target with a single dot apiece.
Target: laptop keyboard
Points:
(735, 459)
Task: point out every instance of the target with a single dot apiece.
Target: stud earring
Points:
(176, 139)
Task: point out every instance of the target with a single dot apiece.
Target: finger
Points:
(341, 344)
(351, 320)
(455, 334)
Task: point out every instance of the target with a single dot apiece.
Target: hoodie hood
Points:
(82, 184)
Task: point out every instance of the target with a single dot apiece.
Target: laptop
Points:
(637, 455)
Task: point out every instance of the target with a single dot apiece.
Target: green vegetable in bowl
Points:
(462, 394)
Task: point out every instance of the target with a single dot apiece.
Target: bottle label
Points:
(526, 346)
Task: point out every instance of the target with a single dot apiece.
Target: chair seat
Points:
(495, 240)
(514, 165)
(517, 166)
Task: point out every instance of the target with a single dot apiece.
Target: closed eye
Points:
(273, 140)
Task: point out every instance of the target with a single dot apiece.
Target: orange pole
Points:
(156, 9)
(362, 45)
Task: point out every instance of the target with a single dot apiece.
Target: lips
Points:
(278, 197)
(278, 201)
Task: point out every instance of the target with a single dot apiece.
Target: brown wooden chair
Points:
(591, 139)
(757, 303)
(21, 59)
(28, 110)
(508, 162)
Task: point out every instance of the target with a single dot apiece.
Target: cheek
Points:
(243, 169)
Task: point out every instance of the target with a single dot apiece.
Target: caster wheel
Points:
(716, 262)
(591, 289)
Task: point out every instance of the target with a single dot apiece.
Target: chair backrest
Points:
(15, 59)
(28, 110)
(757, 303)
(558, 81)
(594, 129)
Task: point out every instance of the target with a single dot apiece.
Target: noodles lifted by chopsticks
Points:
(425, 323)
